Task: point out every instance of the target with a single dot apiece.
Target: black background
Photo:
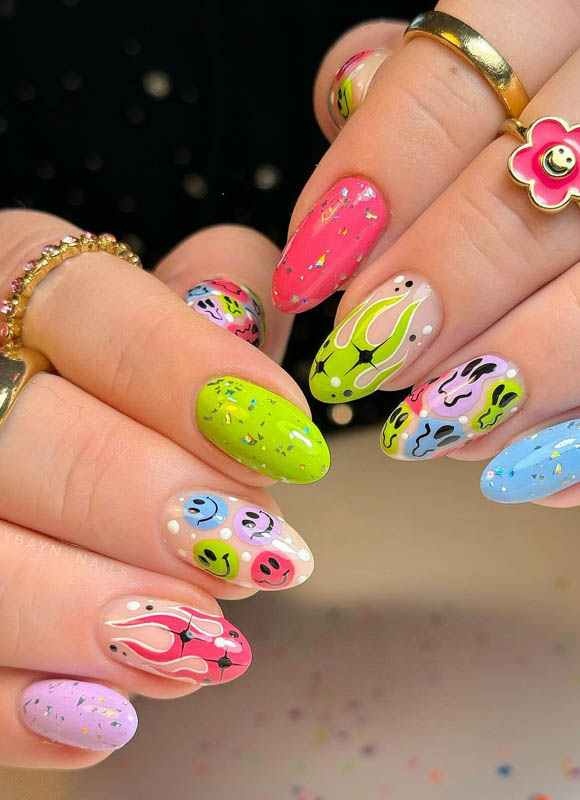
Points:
(81, 137)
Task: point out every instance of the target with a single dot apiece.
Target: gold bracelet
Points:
(13, 307)
(471, 46)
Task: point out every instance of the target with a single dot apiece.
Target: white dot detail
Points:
(220, 641)
(399, 279)
(470, 435)
(404, 435)
(133, 605)
(511, 373)
(513, 410)
(246, 584)
(193, 535)
(335, 381)
(463, 419)
(427, 330)
(173, 526)
(288, 540)
(233, 499)
(304, 554)
(302, 578)
(246, 556)
(423, 413)
(226, 533)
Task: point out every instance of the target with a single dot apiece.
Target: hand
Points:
(126, 511)
(469, 281)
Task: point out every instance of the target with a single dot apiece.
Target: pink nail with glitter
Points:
(329, 245)
(78, 713)
(174, 640)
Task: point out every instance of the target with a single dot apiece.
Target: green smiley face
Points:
(216, 557)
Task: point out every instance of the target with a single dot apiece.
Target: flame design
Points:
(200, 647)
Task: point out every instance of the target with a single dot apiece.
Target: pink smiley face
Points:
(271, 571)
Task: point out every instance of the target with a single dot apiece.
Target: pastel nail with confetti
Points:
(377, 340)
(78, 713)
(173, 640)
(449, 411)
(535, 466)
(329, 245)
(235, 540)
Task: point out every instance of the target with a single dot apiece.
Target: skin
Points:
(79, 426)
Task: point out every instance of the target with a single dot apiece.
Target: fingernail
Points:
(447, 412)
(235, 540)
(78, 713)
(231, 306)
(536, 466)
(174, 640)
(262, 430)
(351, 84)
(378, 339)
(329, 245)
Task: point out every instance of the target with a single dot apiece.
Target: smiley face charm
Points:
(256, 526)
(205, 511)
(548, 163)
(216, 557)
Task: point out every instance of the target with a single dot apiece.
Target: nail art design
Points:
(447, 412)
(377, 340)
(262, 430)
(174, 640)
(329, 245)
(536, 466)
(78, 713)
(235, 308)
(351, 84)
(235, 540)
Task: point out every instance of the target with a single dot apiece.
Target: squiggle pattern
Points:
(458, 406)
(196, 646)
(235, 308)
(375, 341)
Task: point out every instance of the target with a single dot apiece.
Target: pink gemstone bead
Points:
(69, 239)
(89, 235)
(29, 266)
(49, 249)
(5, 306)
(4, 331)
(16, 285)
(109, 237)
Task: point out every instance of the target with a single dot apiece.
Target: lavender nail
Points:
(79, 714)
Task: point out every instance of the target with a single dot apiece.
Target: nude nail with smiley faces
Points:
(235, 540)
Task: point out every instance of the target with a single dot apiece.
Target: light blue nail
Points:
(535, 466)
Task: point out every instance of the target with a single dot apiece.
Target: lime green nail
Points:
(262, 430)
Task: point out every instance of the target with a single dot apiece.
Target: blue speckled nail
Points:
(536, 466)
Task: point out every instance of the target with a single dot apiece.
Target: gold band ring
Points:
(16, 369)
(471, 46)
(17, 363)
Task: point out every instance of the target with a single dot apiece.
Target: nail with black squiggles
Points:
(447, 412)
(235, 540)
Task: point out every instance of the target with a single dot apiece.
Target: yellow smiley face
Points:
(216, 557)
(344, 98)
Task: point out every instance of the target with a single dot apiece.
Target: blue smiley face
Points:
(432, 437)
(205, 511)
(201, 290)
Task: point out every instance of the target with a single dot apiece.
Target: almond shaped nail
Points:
(235, 540)
(329, 245)
(78, 713)
(231, 306)
(351, 84)
(535, 466)
(447, 412)
(377, 340)
(262, 430)
(173, 640)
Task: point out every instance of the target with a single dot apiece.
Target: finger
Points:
(224, 273)
(348, 68)
(469, 402)
(498, 251)
(428, 113)
(65, 609)
(60, 723)
(177, 386)
(174, 514)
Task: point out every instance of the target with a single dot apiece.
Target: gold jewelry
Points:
(16, 369)
(13, 308)
(548, 161)
(471, 46)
